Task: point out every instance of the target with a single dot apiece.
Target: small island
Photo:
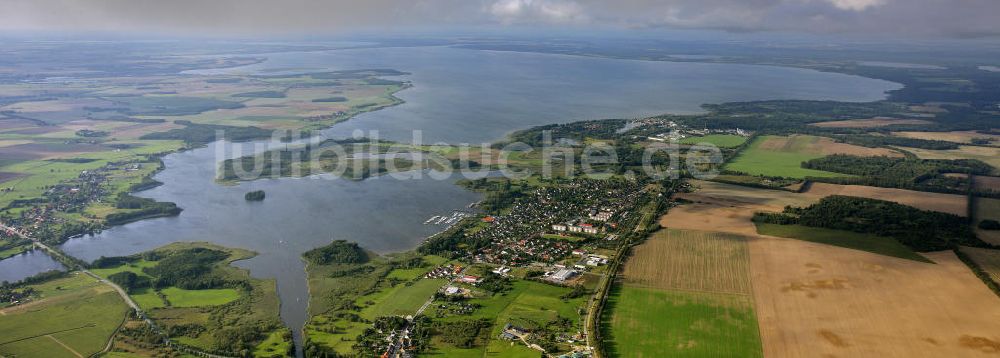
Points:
(256, 195)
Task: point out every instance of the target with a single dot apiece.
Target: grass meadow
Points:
(649, 322)
(718, 140)
(785, 161)
(683, 293)
(75, 316)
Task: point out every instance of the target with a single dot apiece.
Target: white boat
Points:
(431, 219)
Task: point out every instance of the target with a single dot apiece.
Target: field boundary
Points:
(89, 325)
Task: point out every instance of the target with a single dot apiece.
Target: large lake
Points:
(458, 96)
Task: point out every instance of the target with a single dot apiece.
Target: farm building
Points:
(563, 275)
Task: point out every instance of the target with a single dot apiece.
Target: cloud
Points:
(856, 5)
(538, 11)
(956, 18)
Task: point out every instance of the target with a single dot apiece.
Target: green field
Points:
(400, 300)
(785, 162)
(199, 298)
(865, 242)
(664, 323)
(77, 312)
(718, 140)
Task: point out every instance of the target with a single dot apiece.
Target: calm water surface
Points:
(459, 96)
(16, 268)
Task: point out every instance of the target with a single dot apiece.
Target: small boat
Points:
(431, 219)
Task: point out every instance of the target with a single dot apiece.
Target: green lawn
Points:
(147, 299)
(14, 251)
(645, 322)
(199, 298)
(401, 300)
(77, 312)
(777, 163)
(865, 242)
(718, 140)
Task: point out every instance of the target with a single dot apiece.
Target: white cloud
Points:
(856, 5)
(545, 11)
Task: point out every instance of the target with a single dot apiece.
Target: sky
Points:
(904, 18)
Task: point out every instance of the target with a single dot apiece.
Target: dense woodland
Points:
(143, 208)
(905, 173)
(337, 252)
(918, 229)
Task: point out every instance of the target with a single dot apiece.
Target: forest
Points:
(904, 173)
(920, 230)
(337, 252)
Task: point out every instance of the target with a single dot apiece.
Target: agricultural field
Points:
(74, 317)
(988, 208)
(52, 133)
(728, 208)
(684, 293)
(987, 183)
(847, 239)
(821, 300)
(946, 203)
(782, 156)
(690, 261)
(963, 137)
(989, 155)
(987, 259)
(718, 140)
(663, 323)
(869, 123)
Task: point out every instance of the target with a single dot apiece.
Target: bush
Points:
(257, 195)
(989, 225)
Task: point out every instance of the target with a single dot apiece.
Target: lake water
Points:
(478, 96)
(459, 96)
(27, 264)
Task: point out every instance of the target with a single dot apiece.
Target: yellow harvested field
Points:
(728, 208)
(989, 155)
(869, 123)
(691, 261)
(987, 259)
(821, 146)
(964, 137)
(741, 196)
(815, 300)
(947, 203)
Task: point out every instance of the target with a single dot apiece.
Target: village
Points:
(50, 218)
